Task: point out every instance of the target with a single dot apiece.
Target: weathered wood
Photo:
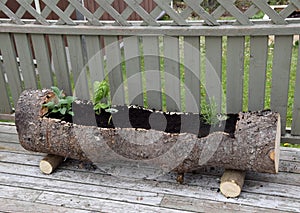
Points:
(213, 72)
(49, 163)
(280, 76)
(232, 182)
(133, 70)
(296, 111)
(114, 69)
(78, 67)
(26, 61)
(261, 192)
(172, 73)
(152, 71)
(5, 106)
(194, 30)
(257, 72)
(192, 73)
(42, 60)
(203, 187)
(11, 66)
(95, 58)
(256, 135)
(59, 58)
(235, 74)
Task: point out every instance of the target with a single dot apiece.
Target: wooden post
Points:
(232, 182)
(49, 163)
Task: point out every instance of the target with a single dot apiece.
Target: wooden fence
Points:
(162, 64)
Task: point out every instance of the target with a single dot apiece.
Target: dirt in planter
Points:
(138, 117)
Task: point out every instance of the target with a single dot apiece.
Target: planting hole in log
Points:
(183, 142)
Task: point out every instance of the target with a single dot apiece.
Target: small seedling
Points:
(101, 99)
(61, 103)
(210, 113)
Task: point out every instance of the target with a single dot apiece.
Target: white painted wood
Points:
(78, 67)
(114, 69)
(52, 5)
(257, 72)
(133, 70)
(26, 60)
(10, 65)
(192, 73)
(280, 76)
(172, 73)
(60, 63)
(152, 71)
(42, 57)
(235, 73)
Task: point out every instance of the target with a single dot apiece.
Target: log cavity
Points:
(139, 117)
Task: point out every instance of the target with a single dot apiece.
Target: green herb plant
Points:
(61, 103)
(210, 113)
(101, 98)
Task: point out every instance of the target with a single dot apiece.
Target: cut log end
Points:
(232, 183)
(277, 145)
(49, 163)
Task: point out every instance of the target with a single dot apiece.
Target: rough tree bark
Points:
(255, 146)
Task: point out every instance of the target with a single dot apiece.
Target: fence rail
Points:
(164, 64)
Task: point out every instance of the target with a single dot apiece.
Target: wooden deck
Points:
(75, 188)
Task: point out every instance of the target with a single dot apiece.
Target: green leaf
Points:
(63, 111)
(56, 91)
(71, 113)
(49, 104)
(55, 110)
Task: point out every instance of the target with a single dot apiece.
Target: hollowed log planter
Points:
(253, 146)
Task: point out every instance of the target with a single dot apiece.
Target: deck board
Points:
(74, 187)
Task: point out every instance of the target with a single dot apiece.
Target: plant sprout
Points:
(60, 103)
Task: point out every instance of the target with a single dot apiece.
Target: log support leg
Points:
(232, 182)
(49, 163)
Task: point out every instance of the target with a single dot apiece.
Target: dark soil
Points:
(138, 117)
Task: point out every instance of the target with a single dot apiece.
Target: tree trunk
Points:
(254, 147)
